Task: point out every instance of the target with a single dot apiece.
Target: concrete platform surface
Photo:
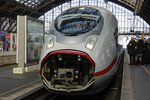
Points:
(7, 53)
(136, 81)
(140, 76)
(10, 81)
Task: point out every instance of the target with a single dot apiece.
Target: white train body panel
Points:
(96, 47)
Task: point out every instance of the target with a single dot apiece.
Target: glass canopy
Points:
(30, 3)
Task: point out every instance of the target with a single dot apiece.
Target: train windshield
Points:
(77, 20)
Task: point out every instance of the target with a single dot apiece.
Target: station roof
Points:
(9, 9)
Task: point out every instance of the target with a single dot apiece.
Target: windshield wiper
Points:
(71, 34)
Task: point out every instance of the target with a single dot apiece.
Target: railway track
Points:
(41, 94)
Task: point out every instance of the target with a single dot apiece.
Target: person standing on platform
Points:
(131, 48)
(140, 50)
(146, 53)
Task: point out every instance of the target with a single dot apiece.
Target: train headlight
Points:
(50, 43)
(91, 42)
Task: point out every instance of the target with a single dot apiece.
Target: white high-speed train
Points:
(80, 55)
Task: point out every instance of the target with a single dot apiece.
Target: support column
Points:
(21, 31)
(11, 41)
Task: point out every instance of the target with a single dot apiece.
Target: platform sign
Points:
(34, 42)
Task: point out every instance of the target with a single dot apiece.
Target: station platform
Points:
(135, 82)
(7, 57)
(7, 53)
(12, 83)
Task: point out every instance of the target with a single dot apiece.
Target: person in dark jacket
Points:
(131, 48)
(146, 54)
(140, 50)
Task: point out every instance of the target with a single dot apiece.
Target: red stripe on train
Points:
(106, 70)
(69, 52)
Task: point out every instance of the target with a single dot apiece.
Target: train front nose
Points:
(66, 70)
